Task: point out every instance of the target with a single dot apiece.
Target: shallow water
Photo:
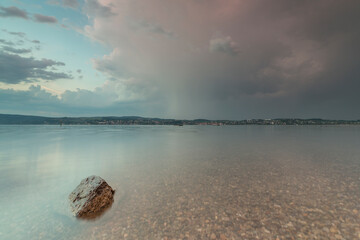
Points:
(190, 182)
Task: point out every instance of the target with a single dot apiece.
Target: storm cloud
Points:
(239, 58)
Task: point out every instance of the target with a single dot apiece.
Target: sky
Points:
(215, 59)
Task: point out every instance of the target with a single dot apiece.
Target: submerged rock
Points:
(91, 197)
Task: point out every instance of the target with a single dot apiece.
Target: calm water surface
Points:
(190, 182)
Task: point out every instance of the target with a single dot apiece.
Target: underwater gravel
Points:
(222, 199)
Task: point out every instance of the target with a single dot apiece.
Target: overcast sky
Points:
(216, 59)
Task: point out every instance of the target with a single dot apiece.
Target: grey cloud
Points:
(95, 9)
(65, 3)
(15, 69)
(78, 71)
(13, 12)
(6, 42)
(45, 19)
(16, 12)
(16, 50)
(83, 97)
(70, 3)
(19, 34)
(12, 99)
(48, 75)
(53, 2)
(224, 45)
(37, 101)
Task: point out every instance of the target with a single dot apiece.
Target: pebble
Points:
(333, 229)
(299, 200)
(223, 237)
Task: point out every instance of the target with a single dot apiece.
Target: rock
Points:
(91, 197)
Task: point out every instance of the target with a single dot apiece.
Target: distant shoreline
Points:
(12, 119)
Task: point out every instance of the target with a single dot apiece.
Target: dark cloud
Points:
(78, 71)
(13, 12)
(15, 69)
(290, 58)
(16, 50)
(45, 19)
(95, 9)
(35, 41)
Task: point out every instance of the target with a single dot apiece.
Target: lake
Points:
(189, 182)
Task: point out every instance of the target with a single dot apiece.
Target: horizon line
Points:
(163, 118)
